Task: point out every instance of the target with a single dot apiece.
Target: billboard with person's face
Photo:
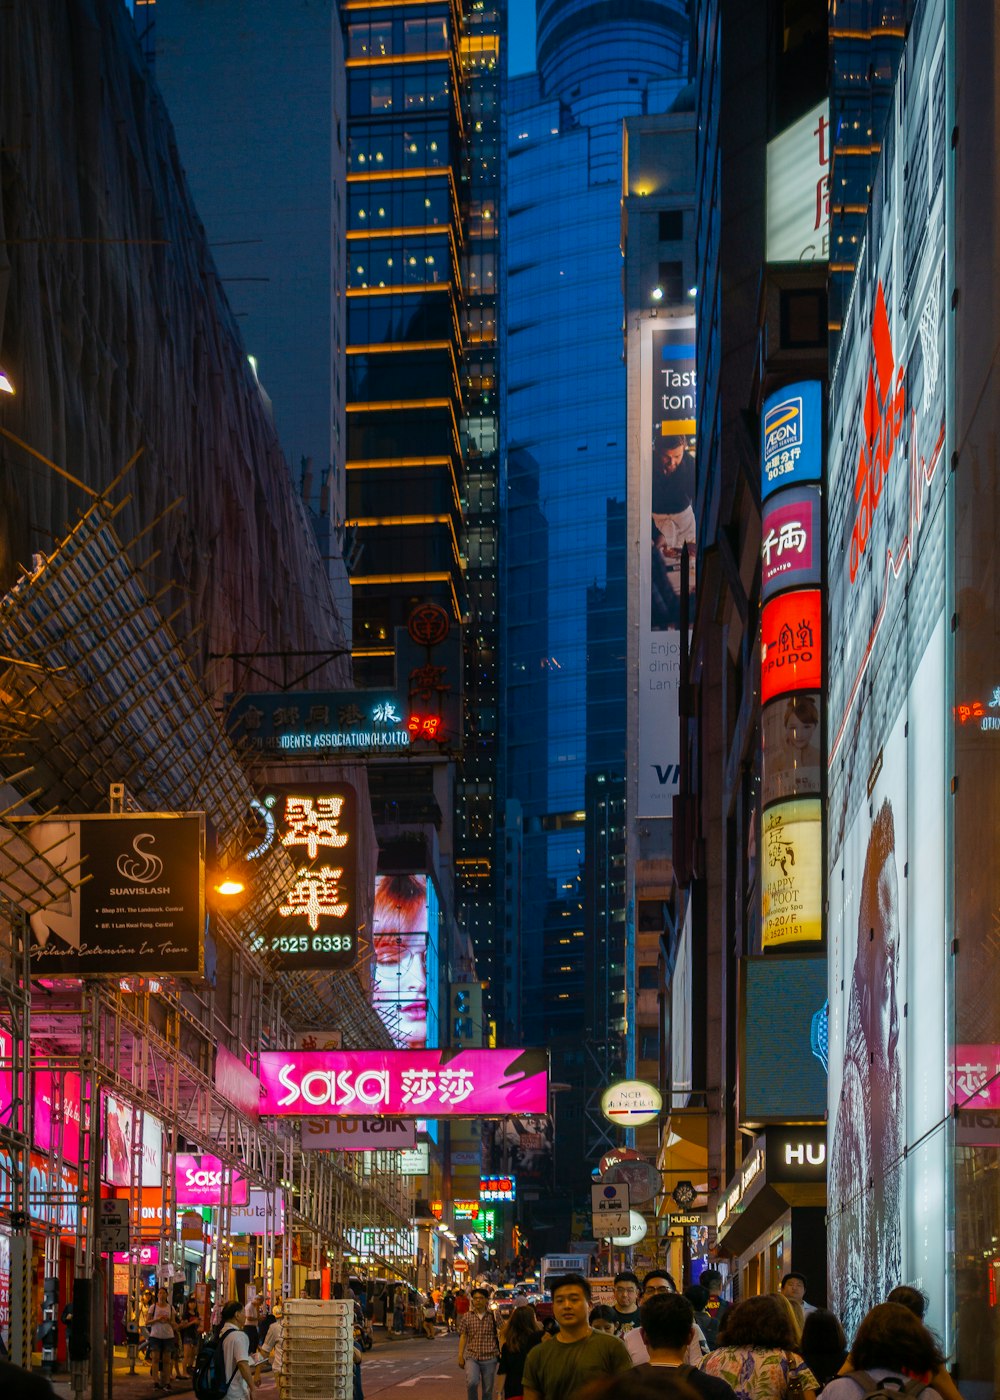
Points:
(888, 797)
(400, 938)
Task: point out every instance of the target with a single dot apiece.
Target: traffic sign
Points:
(112, 1227)
(609, 1205)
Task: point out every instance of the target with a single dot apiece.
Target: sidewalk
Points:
(123, 1385)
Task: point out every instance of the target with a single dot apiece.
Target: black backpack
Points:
(891, 1388)
(210, 1381)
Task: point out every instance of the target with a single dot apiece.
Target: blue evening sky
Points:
(521, 28)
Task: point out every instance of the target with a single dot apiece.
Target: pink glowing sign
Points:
(974, 1077)
(403, 1083)
(145, 1256)
(47, 1107)
(200, 1178)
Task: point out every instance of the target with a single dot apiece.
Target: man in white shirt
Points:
(236, 1352)
(659, 1281)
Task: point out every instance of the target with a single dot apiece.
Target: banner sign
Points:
(327, 721)
(415, 1161)
(200, 1179)
(315, 922)
(798, 190)
(666, 492)
(792, 544)
(57, 1095)
(791, 644)
(793, 873)
(118, 1144)
(237, 1083)
(439, 1083)
(358, 1134)
(252, 1219)
(135, 894)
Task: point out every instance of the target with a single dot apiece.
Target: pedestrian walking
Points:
(892, 1352)
(667, 1324)
(162, 1324)
(523, 1332)
(658, 1282)
(272, 1347)
(715, 1308)
(235, 1351)
(627, 1290)
(430, 1317)
(756, 1354)
(915, 1302)
(448, 1308)
(576, 1354)
(824, 1346)
(479, 1346)
(398, 1312)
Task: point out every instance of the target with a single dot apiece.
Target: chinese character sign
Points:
(314, 924)
(403, 1083)
(798, 190)
(791, 644)
(791, 543)
(793, 873)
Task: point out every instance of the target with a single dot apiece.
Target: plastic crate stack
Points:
(318, 1349)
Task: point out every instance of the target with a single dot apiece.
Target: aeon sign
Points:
(791, 448)
(885, 410)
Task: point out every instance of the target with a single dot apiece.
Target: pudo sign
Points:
(631, 1103)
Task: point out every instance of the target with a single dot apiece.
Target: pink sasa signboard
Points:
(403, 1083)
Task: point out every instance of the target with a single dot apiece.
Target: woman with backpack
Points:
(893, 1355)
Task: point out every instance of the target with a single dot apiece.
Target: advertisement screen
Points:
(667, 480)
(435, 1083)
(792, 544)
(527, 1142)
(200, 1179)
(790, 732)
(791, 644)
(784, 1039)
(889, 791)
(792, 873)
(401, 946)
(315, 924)
(118, 1144)
(141, 907)
(57, 1096)
(798, 190)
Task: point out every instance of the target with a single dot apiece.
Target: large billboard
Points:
(403, 1083)
(399, 936)
(132, 898)
(668, 418)
(889, 935)
(798, 190)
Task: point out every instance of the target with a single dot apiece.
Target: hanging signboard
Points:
(358, 1134)
(134, 895)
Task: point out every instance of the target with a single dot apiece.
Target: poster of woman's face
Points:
(400, 940)
(792, 758)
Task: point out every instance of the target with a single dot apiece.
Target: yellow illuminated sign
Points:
(792, 860)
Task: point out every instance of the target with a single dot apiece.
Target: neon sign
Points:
(314, 924)
(791, 644)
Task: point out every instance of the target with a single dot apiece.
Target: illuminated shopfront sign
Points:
(497, 1188)
(118, 1124)
(354, 721)
(57, 1097)
(791, 448)
(798, 190)
(792, 873)
(200, 1179)
(465, 1210)
(437, 1083)
(314, 926)
(631, 1103)
(358, 1134)
(133, 901)
(415, 1161)
(791, 547)
(791, 644)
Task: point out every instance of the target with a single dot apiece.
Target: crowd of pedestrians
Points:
(655, 1341)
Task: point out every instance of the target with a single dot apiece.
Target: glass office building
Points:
(565, 408)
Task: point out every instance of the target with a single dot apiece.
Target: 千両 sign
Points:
(791, 643)
(314, 925)
(791, 446)
(791, 544)
(792, 873)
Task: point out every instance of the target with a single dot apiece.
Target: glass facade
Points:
(564, 409)
(424, 102)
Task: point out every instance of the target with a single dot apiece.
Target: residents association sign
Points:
(111, 894)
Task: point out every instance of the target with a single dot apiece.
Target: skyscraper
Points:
(564, 406)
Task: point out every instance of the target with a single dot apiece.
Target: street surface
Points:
(414, 1369)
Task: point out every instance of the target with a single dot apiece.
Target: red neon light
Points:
(424, 726)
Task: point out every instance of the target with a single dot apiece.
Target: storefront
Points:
(772, 1215)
